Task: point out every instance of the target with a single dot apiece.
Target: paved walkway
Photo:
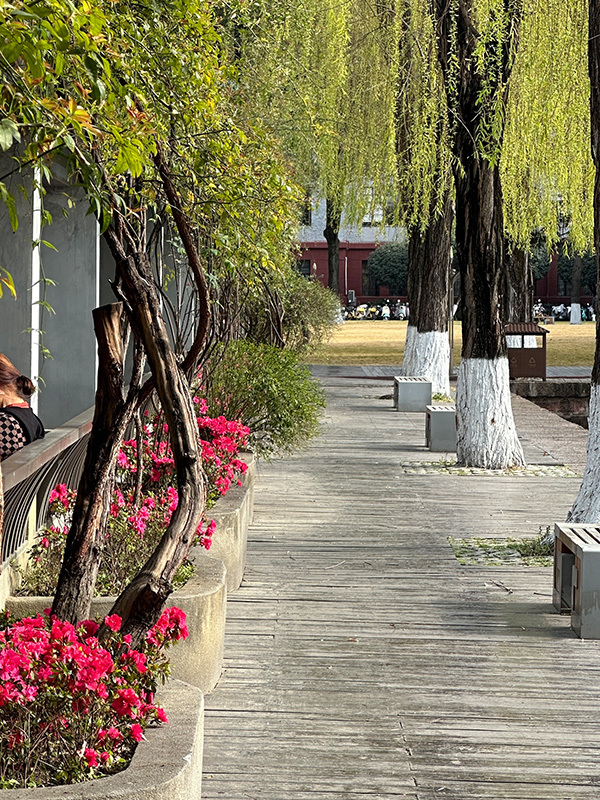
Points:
(363, 661)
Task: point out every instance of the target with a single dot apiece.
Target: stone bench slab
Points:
(440, 428)
(411, 393)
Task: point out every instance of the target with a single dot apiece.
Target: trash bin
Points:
(525, 361)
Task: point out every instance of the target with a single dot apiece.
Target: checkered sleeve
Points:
(12, 437)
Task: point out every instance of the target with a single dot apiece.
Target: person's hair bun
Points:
(25, 386)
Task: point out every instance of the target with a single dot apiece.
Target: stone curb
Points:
(233, 515)
(167, 766)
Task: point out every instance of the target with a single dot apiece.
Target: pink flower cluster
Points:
(64, 692)
(61, 498)
(220, 440)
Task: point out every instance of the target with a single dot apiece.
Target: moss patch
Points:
(452, 468)
(527, 552)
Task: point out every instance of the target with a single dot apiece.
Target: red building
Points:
(354, 275)
(353, 266)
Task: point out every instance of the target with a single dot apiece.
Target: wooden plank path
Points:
(362, 661)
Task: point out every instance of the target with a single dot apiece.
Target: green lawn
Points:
(381, 342)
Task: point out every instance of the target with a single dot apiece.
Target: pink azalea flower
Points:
(136, 732)
(113, 622)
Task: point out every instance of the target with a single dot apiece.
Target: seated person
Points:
(18, 424)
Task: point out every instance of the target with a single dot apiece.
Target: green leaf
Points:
(129, 160)
(69, 141)
(9, 201)
(47, 306)
(6, 280)
(9, 132)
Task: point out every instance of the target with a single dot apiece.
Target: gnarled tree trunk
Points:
(427, 348)
(113, 412)
(142, 600)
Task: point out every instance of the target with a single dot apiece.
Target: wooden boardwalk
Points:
(362, 661)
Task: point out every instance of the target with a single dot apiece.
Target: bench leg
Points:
(564, 561)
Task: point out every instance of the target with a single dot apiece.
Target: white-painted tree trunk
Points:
(586, 507)
(575, 313)
(486, 432)
(427, 355)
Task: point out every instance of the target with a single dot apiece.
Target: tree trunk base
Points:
(586, 508)
(427, 355)
(486, 432)
(575, 314)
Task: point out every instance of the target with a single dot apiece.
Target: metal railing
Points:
(30, 474)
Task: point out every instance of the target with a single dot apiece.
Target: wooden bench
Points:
(411, 394)
(577, 577)
(440, 428)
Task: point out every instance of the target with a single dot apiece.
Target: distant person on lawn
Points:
(19, 426)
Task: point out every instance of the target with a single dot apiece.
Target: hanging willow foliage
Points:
(429, 113)
(423, 131)
(323, 76)
(533, 119)
(546, 164)
(347, 87)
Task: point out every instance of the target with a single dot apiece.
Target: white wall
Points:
(70, 375)
(348, 233)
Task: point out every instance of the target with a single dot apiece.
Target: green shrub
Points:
(310, 315)
(268, 390)
(293, 312)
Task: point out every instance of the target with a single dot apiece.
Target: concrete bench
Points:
(440, 428)
(411, 394)
(577, 577)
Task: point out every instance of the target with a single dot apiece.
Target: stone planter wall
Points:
(167, 766)
(570, 399)
(233, 515)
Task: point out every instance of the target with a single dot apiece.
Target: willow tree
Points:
(548, 166)
(426, 197)
(324, 80)
(477, 42)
